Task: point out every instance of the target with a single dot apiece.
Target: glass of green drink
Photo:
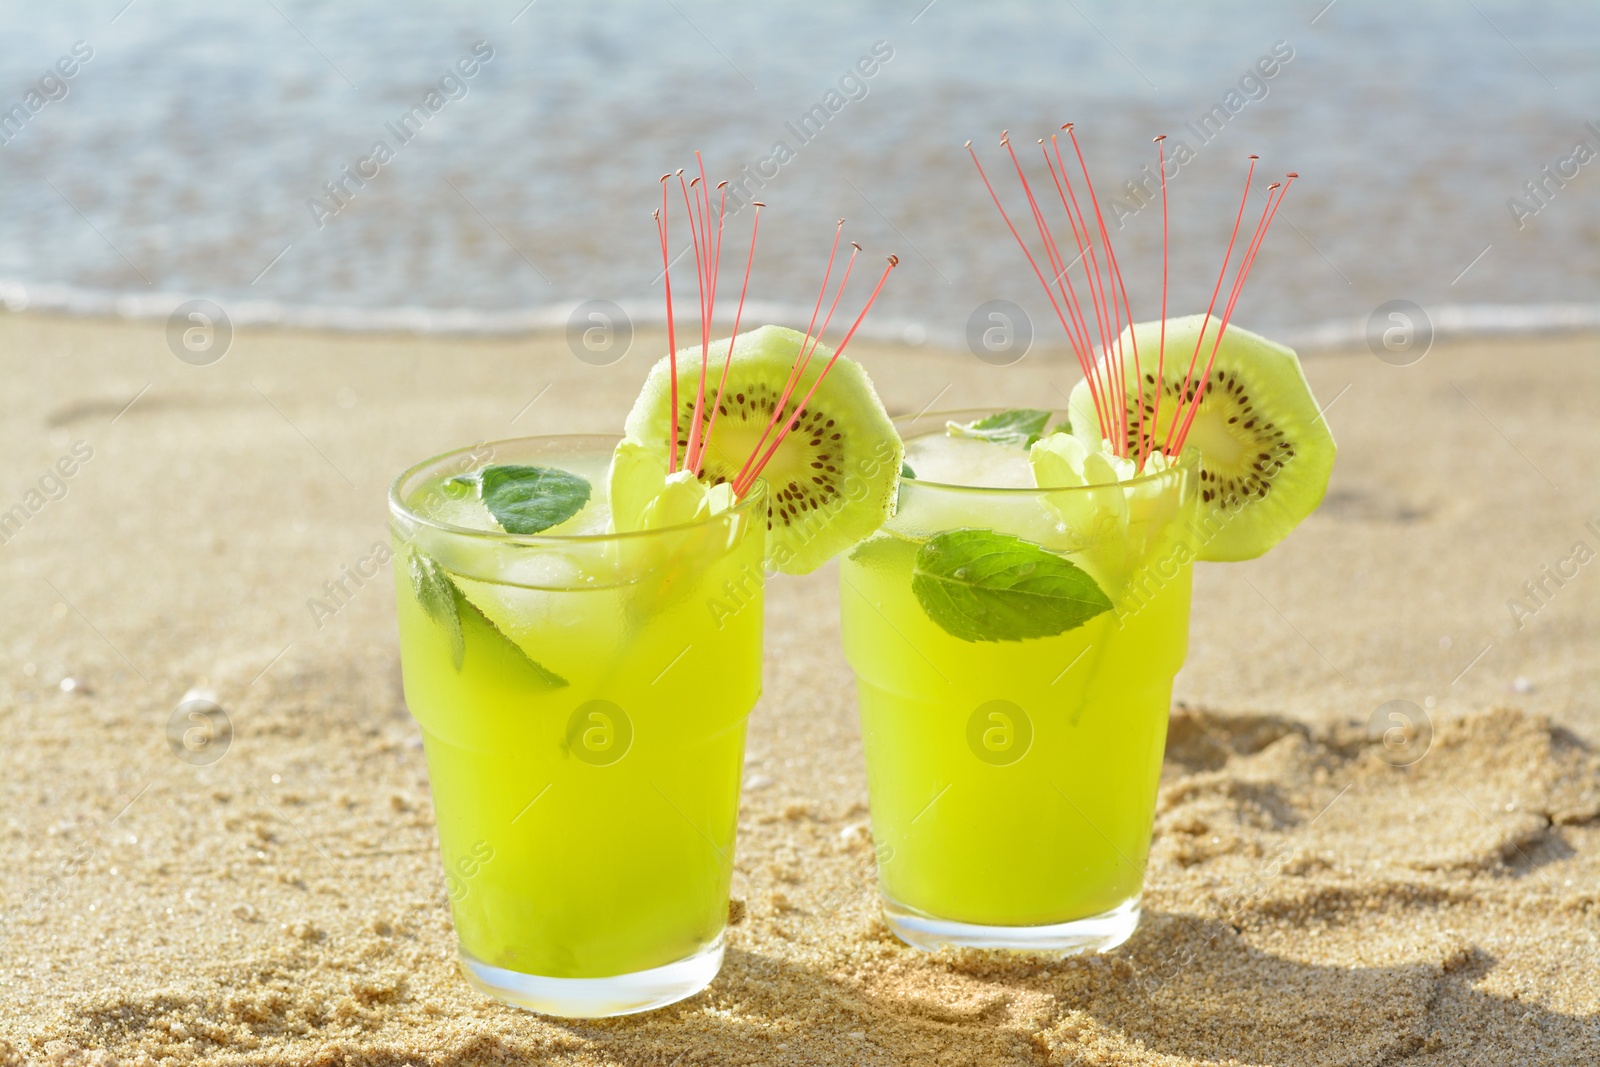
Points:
(1014, 651)
(580, 638)
(1016, 625)
(585, 775)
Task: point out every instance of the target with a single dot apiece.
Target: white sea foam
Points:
(1449, 320)
(1457, 320)
(468, 322)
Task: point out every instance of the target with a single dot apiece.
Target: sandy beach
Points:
(1306, 902)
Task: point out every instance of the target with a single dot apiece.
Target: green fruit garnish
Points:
(1265, 451)
(832, 480)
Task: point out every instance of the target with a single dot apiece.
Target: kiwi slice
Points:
(1265, 451)
(832, 481)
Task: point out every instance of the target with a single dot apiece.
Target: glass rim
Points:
(1188, 460)
(399, 509)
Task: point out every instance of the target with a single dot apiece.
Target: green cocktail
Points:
(585, 772)
(1016, 626)
(1014, 651)
(580, 636)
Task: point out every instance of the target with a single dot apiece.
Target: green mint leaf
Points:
(1019, 426)
(528, 500)
(462, 485)
(439, 597)
(1064, 426)
(906, 471)
(548, 678)
(448, 606)
(980, 585)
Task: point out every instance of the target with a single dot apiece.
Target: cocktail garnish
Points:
(1019, 427)
(450, 609)
(530, 500)
(980, 585)
(706, 229)
(438, 596)
(1103, 353)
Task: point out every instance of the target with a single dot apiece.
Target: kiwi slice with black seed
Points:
(832, 481)
(1265, 450)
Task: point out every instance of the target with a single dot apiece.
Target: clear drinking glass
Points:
(584, 721)
(1013, 782)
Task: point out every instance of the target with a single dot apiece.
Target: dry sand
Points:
(1306, 902)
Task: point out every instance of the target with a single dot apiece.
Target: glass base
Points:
(1095, 933)
(594, 998)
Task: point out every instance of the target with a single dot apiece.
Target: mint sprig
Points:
(444, 602)
(979, 585)
(440, 598)
(1019, 427)
(530, 500)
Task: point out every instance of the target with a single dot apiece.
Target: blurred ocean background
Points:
(188, 152)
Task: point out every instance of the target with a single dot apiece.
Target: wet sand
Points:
(1307, 903)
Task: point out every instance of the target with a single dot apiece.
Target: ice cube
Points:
(541, 622)
(454, 502)
(940, 457)
(539, 569)
(593, 518)
(928, 510)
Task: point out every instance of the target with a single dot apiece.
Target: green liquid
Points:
(588, 831)
(1013, 783)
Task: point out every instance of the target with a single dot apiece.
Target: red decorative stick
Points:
(1106, 288)
(737, 315)
(1115, 273)
(708, 259)
(701, 258)
(1245, 263)
(672, 336)
(803, 358)
(1147, 444)
(1081, 345)
(1222, 273)
(894, 261)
